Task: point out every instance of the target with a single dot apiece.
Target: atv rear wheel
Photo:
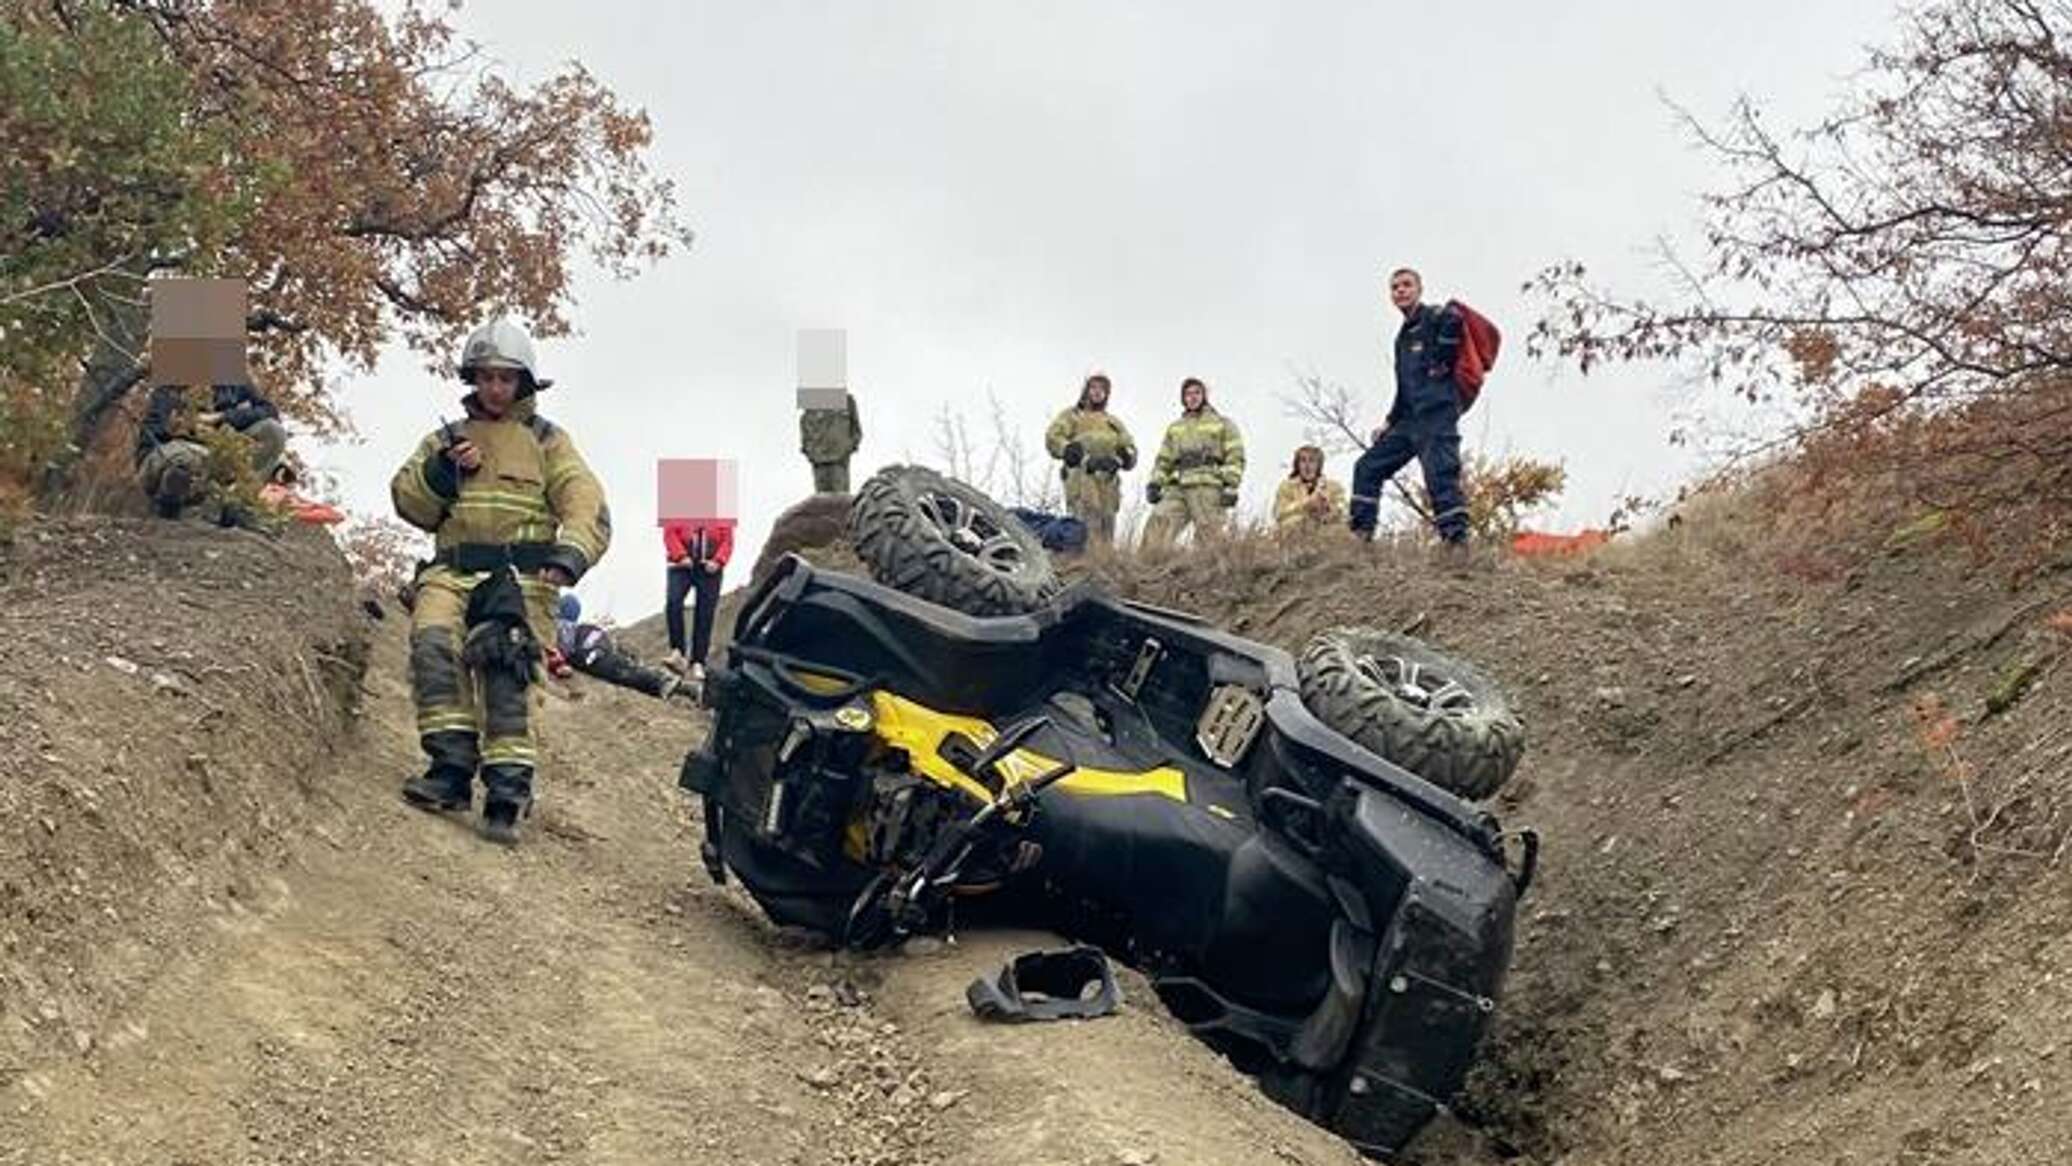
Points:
(1432, 714)
(944, 541)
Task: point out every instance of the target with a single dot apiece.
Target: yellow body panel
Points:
(819, 683)
(920, 731)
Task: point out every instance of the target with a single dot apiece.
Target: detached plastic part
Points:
(1048, 985)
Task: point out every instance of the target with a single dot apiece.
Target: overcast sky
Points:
(998, 197)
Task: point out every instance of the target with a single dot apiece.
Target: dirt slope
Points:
(1778, 920)
(1773, 924)
(167, 707)
(340, 979)
(1804, 895)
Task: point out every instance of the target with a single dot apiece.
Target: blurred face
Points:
(1193, 397)
(496, 388)
(1405, 289)
(1097, 392)
(1308, 464)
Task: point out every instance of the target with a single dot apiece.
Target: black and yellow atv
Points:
(883, 764)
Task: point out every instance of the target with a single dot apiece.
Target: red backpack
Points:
(1479, 341)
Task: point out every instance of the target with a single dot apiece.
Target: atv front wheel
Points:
(944, 541)
(1434, 715)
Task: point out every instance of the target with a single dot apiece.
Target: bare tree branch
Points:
(68, 284)
(1898, 276)
(1332, 414)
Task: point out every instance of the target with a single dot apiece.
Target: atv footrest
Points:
(1209, 1016)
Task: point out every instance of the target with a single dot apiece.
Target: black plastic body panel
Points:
(1353, 964)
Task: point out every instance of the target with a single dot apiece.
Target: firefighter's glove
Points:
(1074, 453)
(1153, 492)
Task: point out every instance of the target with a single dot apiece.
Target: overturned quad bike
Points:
(885, 762)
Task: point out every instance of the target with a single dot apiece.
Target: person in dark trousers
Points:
(698, 551)
(173, 464)
(1424, 420)
(588, 648)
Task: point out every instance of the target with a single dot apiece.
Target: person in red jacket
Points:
(698, 552)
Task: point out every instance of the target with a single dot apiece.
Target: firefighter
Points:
(515, 516)
(1195, 480)
(1308, 500)
(828, 437)
(1094, 448)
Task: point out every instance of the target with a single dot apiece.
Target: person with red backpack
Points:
(698, 553)
(1442, 355)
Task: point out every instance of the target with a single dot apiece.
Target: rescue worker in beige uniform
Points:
(515, 515)
(1307, 500)
(1095, 448)
(1195, 480)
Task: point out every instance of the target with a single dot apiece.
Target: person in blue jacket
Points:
(1423, 421)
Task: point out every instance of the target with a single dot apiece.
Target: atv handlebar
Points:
(893, 905)
(788, 673)
(1004, 743)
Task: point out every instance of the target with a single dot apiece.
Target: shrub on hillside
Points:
(382, 552)
(1501, 490)
(366, 175)
(1899, 277)
(1992, 475)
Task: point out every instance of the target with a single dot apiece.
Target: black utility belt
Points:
(530, 558)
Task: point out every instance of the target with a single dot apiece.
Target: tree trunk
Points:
(116, 365)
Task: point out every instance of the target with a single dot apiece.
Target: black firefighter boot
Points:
(449, 782)
(172, 491)
(508, 801)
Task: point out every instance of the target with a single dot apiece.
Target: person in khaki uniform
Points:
(828, 437)
(171, 457)
(516, 515)
(1095, 448)
(1308, 500)
(1195, 479)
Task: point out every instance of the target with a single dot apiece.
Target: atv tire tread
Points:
(1469, 754)
(903, 549)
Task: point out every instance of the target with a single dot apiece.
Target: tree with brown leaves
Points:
(1899, 275)
(381, 183)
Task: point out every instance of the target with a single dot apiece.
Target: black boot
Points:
(440, 789)
(507, 803)
(449, 782)
(172, 491)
